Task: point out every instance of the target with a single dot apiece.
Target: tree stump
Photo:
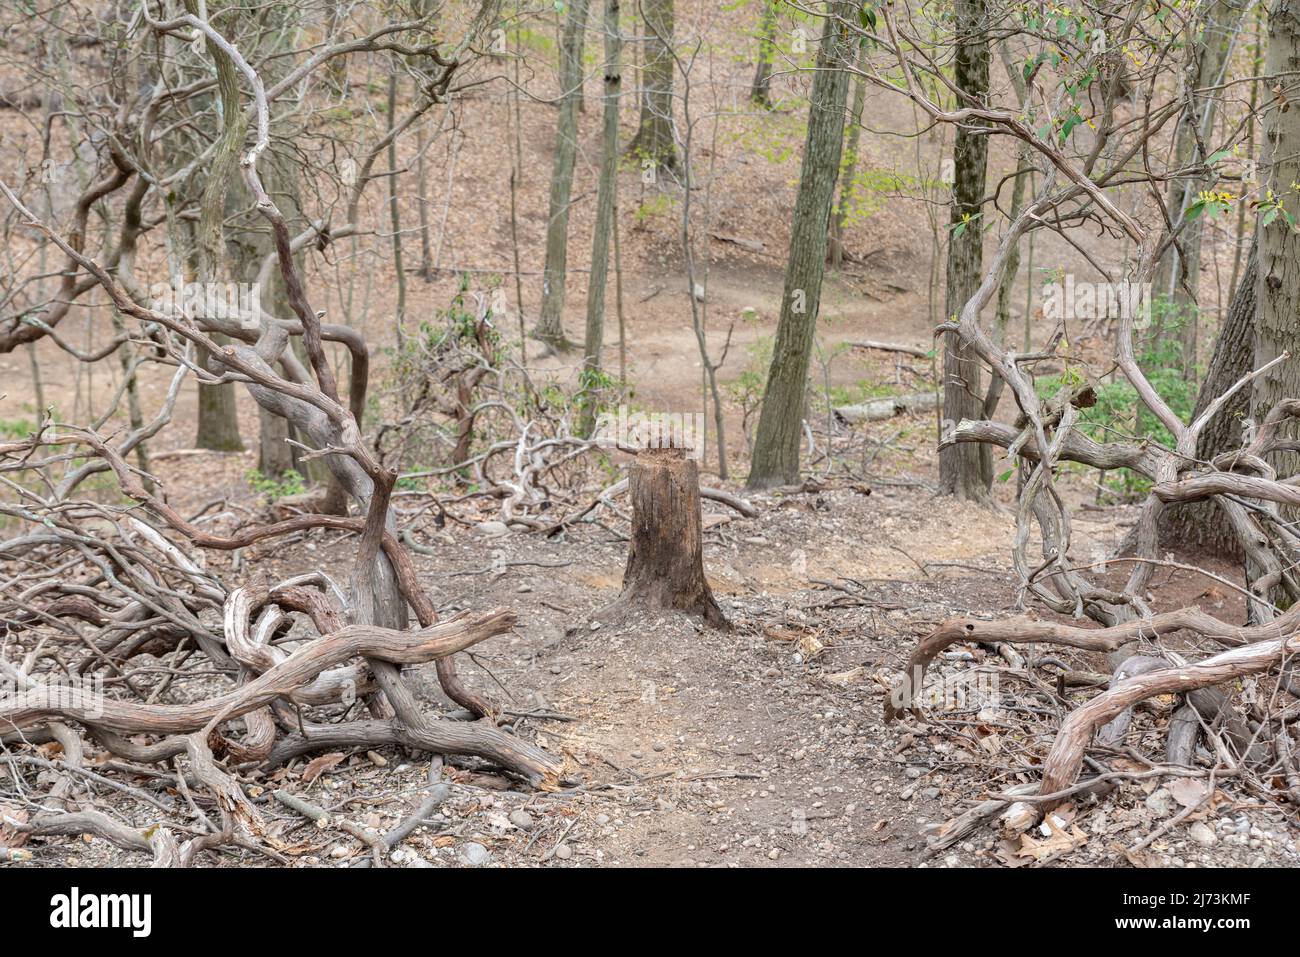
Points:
(665, 563)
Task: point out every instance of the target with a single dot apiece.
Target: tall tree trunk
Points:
(761, 91)
(1179, 273)
(966, 469)
(780, 424)
(1277, 329)
(654, 142)
(550, 325)
(1200, 523)
(218, 427)
(850, 163)
(394, 211)
(605, 196)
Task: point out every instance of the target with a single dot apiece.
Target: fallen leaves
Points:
(318, 766)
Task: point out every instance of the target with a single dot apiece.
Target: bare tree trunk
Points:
(665, 560)
(394, 210)
(653, 142)
(1179, 273)
(850, 171)
(1278, 283)
(761, 91)
(218, 427)
(1201, 523)
(780, 425)
(605, 197)
(965, 469)
(550, 324)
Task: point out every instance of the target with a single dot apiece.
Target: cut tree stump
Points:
(665, 562)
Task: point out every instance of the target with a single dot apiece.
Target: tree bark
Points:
(1178, 275)
(665, 561)
(850, 162)
(654, 136)
(550, 325)
(1278, 282)
(605, 196)
(780, 424)
(1201, 523)
(218, 427)
(761, 91)
(966, 469)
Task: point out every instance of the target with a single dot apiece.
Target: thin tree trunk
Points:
(850, 162)
(605, 197)
(550, 326)
(780, 424)
(394, 211)
(1179, 272)
(966, 469)
(218, 426)
(761, 91)
(654, 142)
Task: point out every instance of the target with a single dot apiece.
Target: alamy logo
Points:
(240, 301)
(651, 430)
(75, 910)
(1097, 300)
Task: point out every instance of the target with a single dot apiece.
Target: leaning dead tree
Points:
(96, 588)
(1080, 182)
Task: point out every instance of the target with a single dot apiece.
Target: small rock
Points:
(1202, 834)
(492, 529)
(521, 819)
(475, 855)
(1159, 801)
(563, 852)
(377, 759)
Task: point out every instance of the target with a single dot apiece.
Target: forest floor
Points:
(763, 745)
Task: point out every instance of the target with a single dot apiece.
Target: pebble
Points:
(475, 855)
(563, 852)
(377, 759)
(1203, 834)
(491, 529)
(521, 819)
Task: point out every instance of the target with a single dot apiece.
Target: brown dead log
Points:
(1023, 630)
(1066, 757)
(665, 561)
